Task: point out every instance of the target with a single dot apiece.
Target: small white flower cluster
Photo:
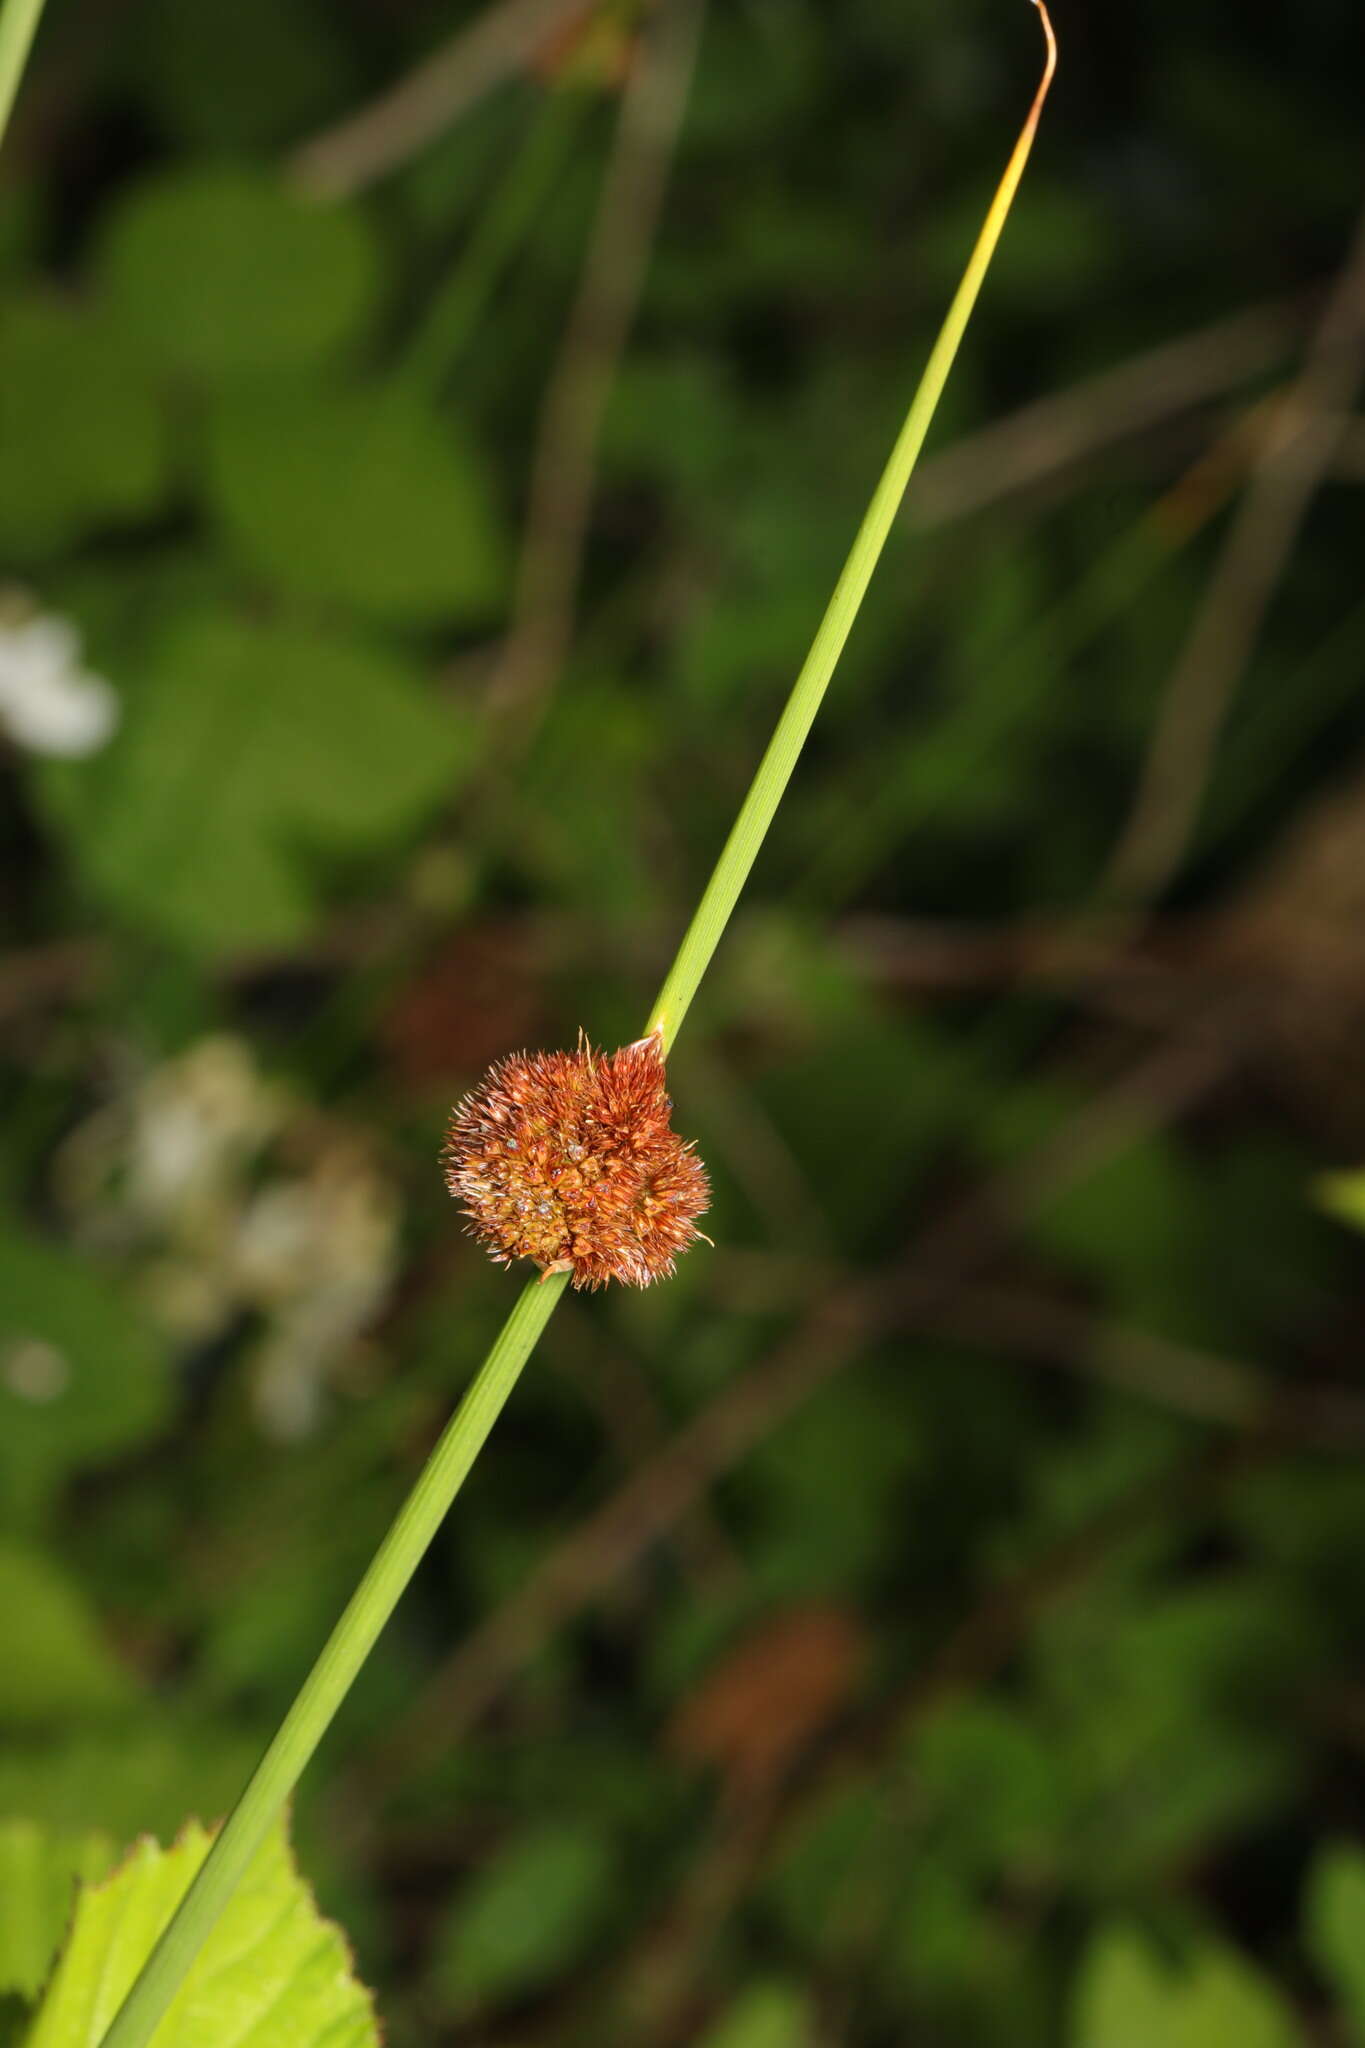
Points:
(48, 702)
(230, 1197)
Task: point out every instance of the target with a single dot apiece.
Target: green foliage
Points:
(1128, 1997)
(273, 1971)
(85, 444)
(1158, 1702)
(57, 1667)
(1100, 1762)
(820, 1534)
(230, 75)
(39, 1870)
(532, 1910)
(767, 2015)
(1335, 1929)
(250, 753)
(1343, 1195)
(223, 273)
(988, 1783)
(355, 499)
(84, 1378)
(126, 1777)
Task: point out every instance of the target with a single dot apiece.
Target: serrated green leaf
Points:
(1335, 1916)
(81, 1376)
(85, 444)
(39, 1868)
(219, 273)
(369, 502)
(528, 1915)
(1128, 1998)
(272, 1973)
(55, 1663)
(248, 753)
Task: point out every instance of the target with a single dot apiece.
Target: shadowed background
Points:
(428, 436)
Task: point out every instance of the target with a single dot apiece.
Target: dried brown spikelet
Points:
(567, 1158)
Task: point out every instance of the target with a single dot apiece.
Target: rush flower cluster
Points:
(567, 1158)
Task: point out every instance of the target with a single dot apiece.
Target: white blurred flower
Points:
(196, 1123)
(239, 1202)
(318, 1256)
(48, 702)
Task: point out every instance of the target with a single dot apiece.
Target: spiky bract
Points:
(567, 1158)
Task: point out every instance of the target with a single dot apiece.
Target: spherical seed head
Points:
(567, 1158)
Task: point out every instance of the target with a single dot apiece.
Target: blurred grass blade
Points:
(18, 21)
(443, 335)
(440, 1481)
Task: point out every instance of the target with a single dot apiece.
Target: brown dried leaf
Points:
(771, 1695)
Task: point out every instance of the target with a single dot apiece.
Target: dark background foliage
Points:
(937, 1615)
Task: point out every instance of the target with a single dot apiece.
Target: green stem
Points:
(775, 770)
(331, 1678)
(426, 1507)
(18, 20)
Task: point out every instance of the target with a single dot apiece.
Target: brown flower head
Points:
(567, 1158)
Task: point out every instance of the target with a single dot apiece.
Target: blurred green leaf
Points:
(1128, 1998)
(1169, 1712)
(249, 753)
(1135, 1224)
(815, 1531)
(39, 1868)
(218, 273)
(365, 500)
(81, 1376)
(233, 74)
(842, 1840)
(988, 1783)
(1335, 1917)
(128, 1777)
(531, 1912)
(770, 2015)
(1343, 1195)
(56, 1665)
(586, 832)
(271, 1972)
(955, 1952)
(861, 1110)
(84, 441)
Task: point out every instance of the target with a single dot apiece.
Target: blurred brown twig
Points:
(1059, 432)
(366, 146)
(603, 311)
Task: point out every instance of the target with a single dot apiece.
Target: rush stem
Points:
(427, 1505)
